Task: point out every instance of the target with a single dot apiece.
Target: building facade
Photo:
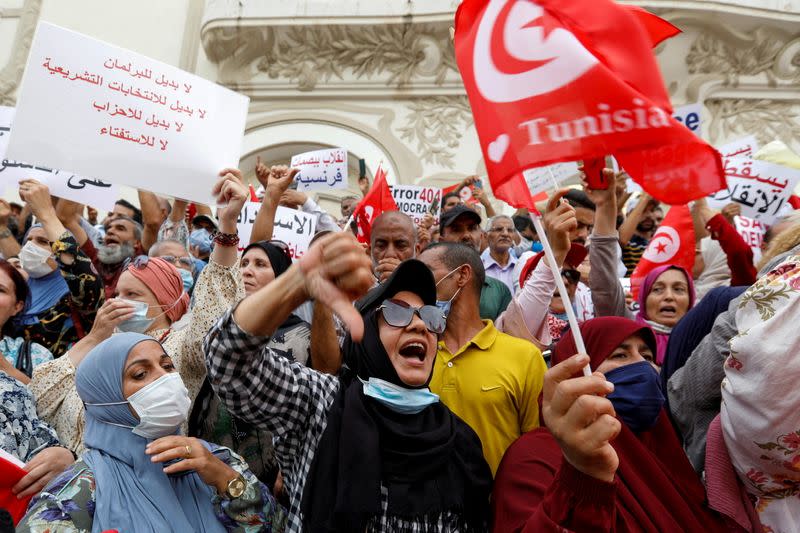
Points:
(379, 78)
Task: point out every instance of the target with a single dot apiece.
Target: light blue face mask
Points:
(138, 323)
(444, 305)
(399, 399)
(188, 279)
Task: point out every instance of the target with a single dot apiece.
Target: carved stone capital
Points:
(11, 73)
(335, 57)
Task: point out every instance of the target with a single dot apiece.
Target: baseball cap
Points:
(448, 218)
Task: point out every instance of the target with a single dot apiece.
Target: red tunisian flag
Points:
(672, 244)
(551, 80)
(378, 199)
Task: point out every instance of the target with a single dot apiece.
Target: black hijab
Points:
(280, 262)
(430, 462)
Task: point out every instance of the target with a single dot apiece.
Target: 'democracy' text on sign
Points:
(111, 114)
(321, 169)
(96, 193)
(417, 201)
(293, 227)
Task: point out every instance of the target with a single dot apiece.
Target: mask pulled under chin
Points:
(399, 399)
(637, 396)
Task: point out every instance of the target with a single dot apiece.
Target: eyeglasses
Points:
(179, 261)
(141, 261)
(399, 314)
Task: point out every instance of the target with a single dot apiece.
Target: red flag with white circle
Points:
(672, 244)
(551, 81)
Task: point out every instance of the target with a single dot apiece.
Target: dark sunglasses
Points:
(399, 314)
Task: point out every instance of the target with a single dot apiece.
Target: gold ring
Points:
(188, 450)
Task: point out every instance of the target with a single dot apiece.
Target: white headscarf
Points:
(761, 398)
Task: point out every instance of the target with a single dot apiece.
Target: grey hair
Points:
(155, 250)
(490, 222)
(137, 228)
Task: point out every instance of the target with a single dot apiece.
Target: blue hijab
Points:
(45, 292)
(132, 493)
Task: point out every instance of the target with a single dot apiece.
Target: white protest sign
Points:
(761, 188)
(744, 147)
(95, 193)
(689, 116)
(321, 169)
(107, 113)
(293, 227)
(539, 179)
(417, 201)
(752, 232)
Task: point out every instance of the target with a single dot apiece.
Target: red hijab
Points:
(656, 487)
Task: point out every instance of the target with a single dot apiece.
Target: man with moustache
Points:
(499, 259)
(462, 224)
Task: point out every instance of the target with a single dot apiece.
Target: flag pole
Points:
(562, 289)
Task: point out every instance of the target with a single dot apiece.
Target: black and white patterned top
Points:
(292, 401)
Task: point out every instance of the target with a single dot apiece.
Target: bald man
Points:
(393, 240)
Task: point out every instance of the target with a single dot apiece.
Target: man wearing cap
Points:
(462, 224)
(489, 379)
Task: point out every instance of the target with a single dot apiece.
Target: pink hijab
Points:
(662, 332)
(163, 280)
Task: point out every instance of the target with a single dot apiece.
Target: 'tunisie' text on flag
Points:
(672, 244)
(551, 81)
(377, 200)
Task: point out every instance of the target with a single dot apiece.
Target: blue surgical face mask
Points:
(138, 323)
(399, 399)
(637, 396)
(201, 238)
(188, 279)
(444, 305)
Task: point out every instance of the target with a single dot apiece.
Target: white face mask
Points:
(162, 406)
(33, 259)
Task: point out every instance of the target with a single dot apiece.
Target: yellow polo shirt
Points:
(493, 384)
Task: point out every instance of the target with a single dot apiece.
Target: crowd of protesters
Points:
(155, 378)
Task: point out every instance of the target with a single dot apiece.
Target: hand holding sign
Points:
(37, 196)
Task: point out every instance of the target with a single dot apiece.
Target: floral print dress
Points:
(22, 433)
(67, 505)
(761, 400)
